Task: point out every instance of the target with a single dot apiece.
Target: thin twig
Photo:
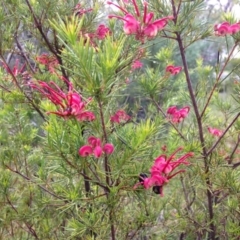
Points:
(30, 180)
(220, 138)
(217, 80)
(230, 158)
(20, 88)
(163, 113)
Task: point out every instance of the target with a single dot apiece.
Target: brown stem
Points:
(106, 164)
(22, 51)
(235, 165)
(105, 188)
(56, 51)
(230, 159)
(220, 138)
(30, 180)
(5, 89)
(107, 169)
(20, 88)
(212, 227)
(163, 113)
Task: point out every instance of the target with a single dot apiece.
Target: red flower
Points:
(215, 132)
(16, 70)
(120, 116)
(68, 104)
(173, 70)
(225, 28)
(85, 151)
(78, 10)
(136, 64)
(102, 32)
(97, 151)
(131, 25)
(50, 61)
(141, 25)
(108, 148)
(176, 116)
(162, 171)
(95, 148)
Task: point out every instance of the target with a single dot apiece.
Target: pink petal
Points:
(85, 151)
(150, 30)
(137, 64)
(131, 25)
(108, 148)
(172, 110)
(97, 151)
(93, 141)
(215, 132)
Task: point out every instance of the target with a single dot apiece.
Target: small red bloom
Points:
(95, 148)
(97, 151)
(235, 28)
(49, 61)
(108, 148)
(215, 132)
(226, 28)
(176, 116)
(78, 10)
(162, 171)
(102, 31)
(120, 116)
(85, 151)
(173, 70)
(136, 64)
(140, 25)
(93, 141)
(16, 70)
(69, 104)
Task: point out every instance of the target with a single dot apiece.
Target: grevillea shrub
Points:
(119, 120)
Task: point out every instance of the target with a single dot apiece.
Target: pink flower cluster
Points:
(141, 25)
(215, 132)
(95, 148)
(175, 115)
(102, 31)
(69, 104)
(162, 171)
(173, 70)
(226, 28)
(120, 116)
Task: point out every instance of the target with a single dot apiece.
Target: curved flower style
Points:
(140, 25)
(69, 104)
(162, 171)
(79, 10)
(226, 28)
(215, 132)
(176, 116)
(95, 148)
(173, 70)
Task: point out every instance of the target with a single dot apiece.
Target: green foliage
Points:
(49, 189)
